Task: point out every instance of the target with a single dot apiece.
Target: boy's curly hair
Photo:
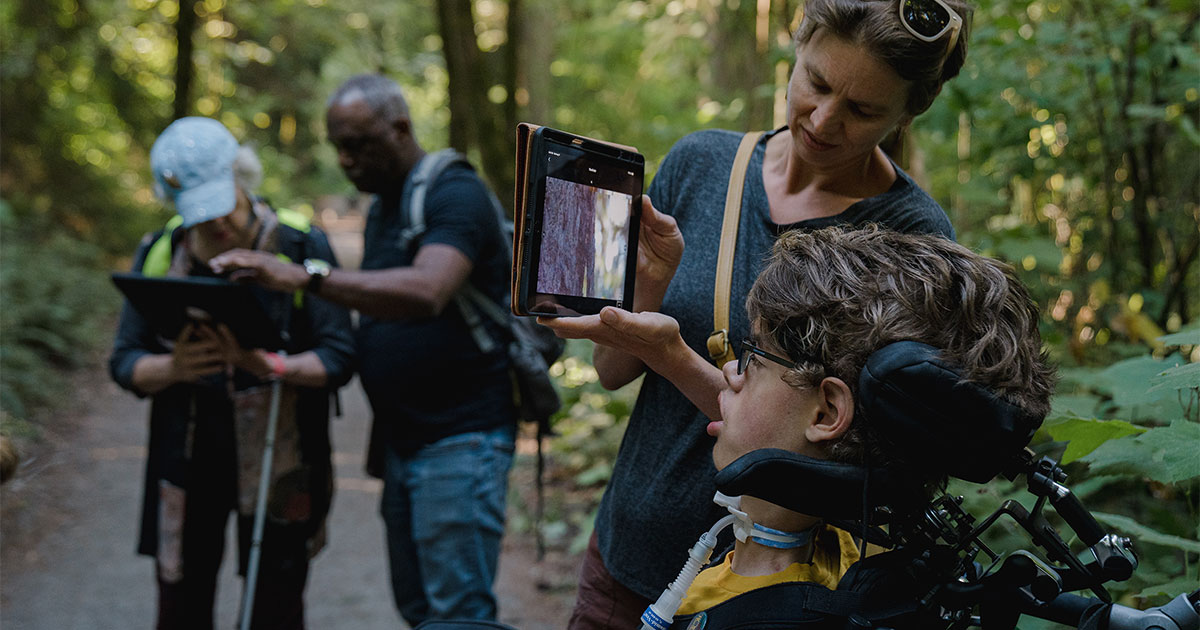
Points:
(841, 294)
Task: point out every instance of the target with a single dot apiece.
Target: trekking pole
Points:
(260, 505)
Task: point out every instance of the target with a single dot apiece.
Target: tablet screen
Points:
(586, 232)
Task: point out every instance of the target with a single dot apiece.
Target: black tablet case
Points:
(165, 302)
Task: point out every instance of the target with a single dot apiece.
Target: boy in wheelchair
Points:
(869, 349)
(880, 365)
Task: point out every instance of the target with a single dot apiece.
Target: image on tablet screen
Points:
(585, 232)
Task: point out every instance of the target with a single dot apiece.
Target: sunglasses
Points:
(747, 348)
(930, 20)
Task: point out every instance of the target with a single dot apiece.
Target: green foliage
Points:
(1066, 147)
(1145, 534)
(592, 419)
(1138, 467)
(55, 303)
(1084, 435)
(1164, 454)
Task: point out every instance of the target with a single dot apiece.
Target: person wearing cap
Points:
(444, 427)
(210, 397)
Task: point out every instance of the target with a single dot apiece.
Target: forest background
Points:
(1069, 147)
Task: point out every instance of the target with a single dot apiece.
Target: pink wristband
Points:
(277, 366)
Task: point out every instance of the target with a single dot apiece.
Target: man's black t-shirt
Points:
(426, 377)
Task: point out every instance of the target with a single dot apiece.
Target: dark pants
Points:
(603, 603)
(282, 574)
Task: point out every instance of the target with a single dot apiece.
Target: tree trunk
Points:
(454, 17)
(185, 28)
(474, 121)
(535, 56)
(739, 65)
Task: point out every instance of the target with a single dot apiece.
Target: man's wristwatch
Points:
(317, 270)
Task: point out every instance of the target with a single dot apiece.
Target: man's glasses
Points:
(930, 20)
(748, 348)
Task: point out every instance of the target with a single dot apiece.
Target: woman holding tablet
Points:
(210, 397)
(863, 70)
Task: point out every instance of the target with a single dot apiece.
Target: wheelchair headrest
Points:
(940, 423)
(921, 405)
(823, 488)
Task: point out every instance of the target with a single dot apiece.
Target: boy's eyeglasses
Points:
(930, 20)
(747, 348)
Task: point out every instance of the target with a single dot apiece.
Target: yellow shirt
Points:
(834, 553)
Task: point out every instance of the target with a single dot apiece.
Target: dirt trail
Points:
(68, 527)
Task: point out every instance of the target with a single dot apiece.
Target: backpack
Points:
(532, 348)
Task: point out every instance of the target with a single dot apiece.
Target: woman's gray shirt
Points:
(659, 499)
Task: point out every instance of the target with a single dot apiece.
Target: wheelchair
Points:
(937, 572)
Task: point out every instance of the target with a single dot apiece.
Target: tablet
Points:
(575, 235)
(168, 304)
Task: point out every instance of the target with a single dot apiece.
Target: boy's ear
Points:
(835, 411)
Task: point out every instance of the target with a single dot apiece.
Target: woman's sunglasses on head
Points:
(930, 20)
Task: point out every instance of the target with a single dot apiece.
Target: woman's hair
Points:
(247, 170)
(842, 294)
(875, 25)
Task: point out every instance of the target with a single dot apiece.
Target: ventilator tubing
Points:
(660, 614)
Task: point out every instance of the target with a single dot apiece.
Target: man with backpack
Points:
(439, 386)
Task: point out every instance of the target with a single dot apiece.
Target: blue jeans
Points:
(443, 509)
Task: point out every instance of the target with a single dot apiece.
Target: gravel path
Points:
(68, 528)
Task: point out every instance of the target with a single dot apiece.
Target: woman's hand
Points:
(255, 361)
(197, 354)
(660, 248)
(643, 335)
(625, 340)
(653, 341)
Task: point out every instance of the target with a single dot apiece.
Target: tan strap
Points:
(719, 347)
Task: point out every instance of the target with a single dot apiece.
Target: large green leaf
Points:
(1086, 435)
(1186, 337)
(1129, 381)
(1182, 377)
(1142, 534)
(1171, 589)
(1167, 454)
(1068, 406)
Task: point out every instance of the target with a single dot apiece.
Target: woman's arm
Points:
(304, 369)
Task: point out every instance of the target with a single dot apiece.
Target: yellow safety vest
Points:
(158, 258)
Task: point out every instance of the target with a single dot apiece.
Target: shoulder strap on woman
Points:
(719, 347)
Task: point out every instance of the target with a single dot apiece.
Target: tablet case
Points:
(165, 304)
(525, 132)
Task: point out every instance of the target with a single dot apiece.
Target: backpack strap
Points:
(471, 316)
(424, 174)
(720, 350)
(158, 257)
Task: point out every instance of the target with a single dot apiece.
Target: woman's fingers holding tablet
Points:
(660, 244)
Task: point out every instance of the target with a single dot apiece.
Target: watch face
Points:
(316, 267)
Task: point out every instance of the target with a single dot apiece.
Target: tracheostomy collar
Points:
(745, 529)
